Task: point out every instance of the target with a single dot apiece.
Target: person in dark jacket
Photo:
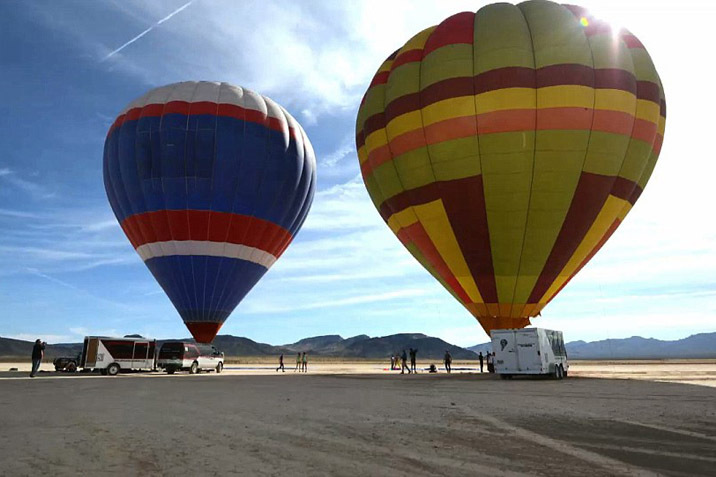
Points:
(38, 351)
(448, 361)
(481, 360)
(280, 364)
(404, 363)
(413, 352)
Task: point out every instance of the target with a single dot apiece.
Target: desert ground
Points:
(348, 418)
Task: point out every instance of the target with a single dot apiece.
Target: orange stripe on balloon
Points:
(616, 122)
(512, 120)
(644, 131)
(564, 118)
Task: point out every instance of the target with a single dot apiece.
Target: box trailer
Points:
(111, 355)
(529, 351)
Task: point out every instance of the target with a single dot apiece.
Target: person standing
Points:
(38, 352)
(299, 363)
(413, 352)
(280, 364)
(448, 361)
(305, 362)
(490, 369)
(481, 360)
(404, 363)
(392, 362)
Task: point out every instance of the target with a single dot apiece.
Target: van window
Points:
(171, 351)
(191, 352)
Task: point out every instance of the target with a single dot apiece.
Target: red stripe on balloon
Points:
(205, 225)
(456, 29)
(589, 197)
(203, 108)
(591, 254)
(464, 202)
(417, 235)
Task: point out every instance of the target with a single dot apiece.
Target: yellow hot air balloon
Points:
(504, 147)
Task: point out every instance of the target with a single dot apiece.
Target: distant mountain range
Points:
(702, 345)
(361, 346)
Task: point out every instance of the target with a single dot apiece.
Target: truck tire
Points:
(194, 369)
(219, 368)
(72, 367)
(113, 369)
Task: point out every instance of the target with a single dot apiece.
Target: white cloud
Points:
(34, 189)
(336, 303)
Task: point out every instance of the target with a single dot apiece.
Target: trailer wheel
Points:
(558, 372)
(219, 367)
(194, 368)
(72, 368)
(113, 369)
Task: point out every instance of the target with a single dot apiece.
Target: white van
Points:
(529, 351)
(111, 355)
(192, 357)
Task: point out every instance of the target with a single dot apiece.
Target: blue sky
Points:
(66, 269)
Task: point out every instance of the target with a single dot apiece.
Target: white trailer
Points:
(529, 351)
(111, 355)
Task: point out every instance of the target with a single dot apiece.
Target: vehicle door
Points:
(140, 355)
(207, 358)
(528, 351)
(90, 360)
(191, 354)
(506, 359)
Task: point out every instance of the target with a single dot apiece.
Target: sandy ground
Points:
(255, 422)
(699, 372)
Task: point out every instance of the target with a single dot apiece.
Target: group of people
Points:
(301, 363)
(400, 361)
(490, 361)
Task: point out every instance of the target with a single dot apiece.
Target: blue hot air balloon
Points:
(210, 182)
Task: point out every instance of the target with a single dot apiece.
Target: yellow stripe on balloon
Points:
(615, 100)
(362, 154)
(613, 208)
(648, 111)
(402, 219)
(448, 109)
(418, 41)
(565, 96)
(375, 140)
(434, 220)
(404, 123)
(506, 98)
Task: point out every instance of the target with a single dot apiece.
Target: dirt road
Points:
(292, 424)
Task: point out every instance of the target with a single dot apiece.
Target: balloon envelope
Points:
(210, 182)
(504, 147)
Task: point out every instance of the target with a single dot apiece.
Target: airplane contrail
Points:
(147, 30)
